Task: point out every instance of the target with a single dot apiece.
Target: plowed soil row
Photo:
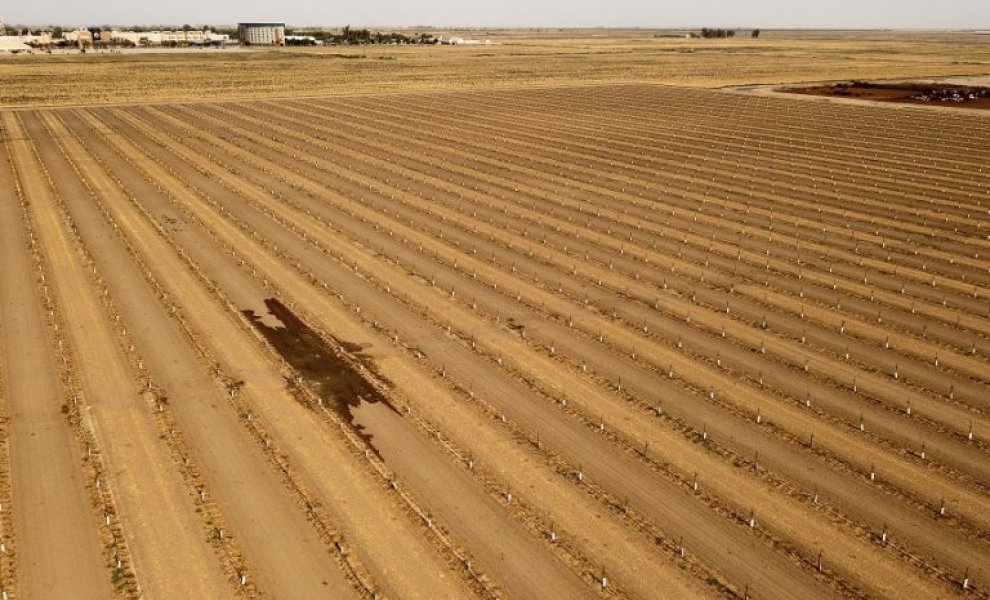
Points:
(626, 341)
(58, 543)
(479, 521)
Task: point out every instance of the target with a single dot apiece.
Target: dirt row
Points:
(171, 496)
(548, 342)
(584, 450)
(56, 531)
(643, 150)
(805, 126)
(190, 383)
(907, 365)
(818, 220)
(559, 533)
(748, 208)
(485, 522)
(810, 291)
(659, 145)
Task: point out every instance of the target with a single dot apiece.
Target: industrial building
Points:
(261, 34)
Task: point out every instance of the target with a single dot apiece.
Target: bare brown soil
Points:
(546, 342)
(905, 93)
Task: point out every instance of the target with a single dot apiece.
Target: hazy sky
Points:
(970, 14)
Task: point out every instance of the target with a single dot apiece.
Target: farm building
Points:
(261, 34)
(13, 44)
(158, 38)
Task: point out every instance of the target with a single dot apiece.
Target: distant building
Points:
(301, 40)
(182, 38)
(261, 34)
(24, 43)
(13, 44)
(459, 41)
(81, 37)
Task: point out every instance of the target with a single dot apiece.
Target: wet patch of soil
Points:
(941, 94)
(339, 382)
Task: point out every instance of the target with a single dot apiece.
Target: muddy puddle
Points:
(340, 383)
(932, 94)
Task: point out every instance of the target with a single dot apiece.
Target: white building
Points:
(13, 44)
(459, 41)
(301, 40)
(261, 34)
(157, 38)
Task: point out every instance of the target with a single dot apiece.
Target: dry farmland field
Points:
(533, 339)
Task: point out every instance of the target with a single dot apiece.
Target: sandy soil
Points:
(155, 507)
(616, 341)
(479, 515)
(55, 528)
(281, 551)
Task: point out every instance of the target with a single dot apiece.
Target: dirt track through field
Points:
(154, 506)
(285, 549)
(55, 533)
(625, 341)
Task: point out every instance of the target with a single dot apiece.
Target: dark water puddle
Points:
(338, 382)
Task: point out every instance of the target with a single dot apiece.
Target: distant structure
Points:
(21, 43)
(167, 37)
(301, 40)
(459, 41)
(83, 38)
(11, 44)
(261, 34)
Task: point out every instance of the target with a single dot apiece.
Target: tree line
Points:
(349, 36)
(724, 33)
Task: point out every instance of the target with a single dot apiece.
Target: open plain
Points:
(572, 323)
